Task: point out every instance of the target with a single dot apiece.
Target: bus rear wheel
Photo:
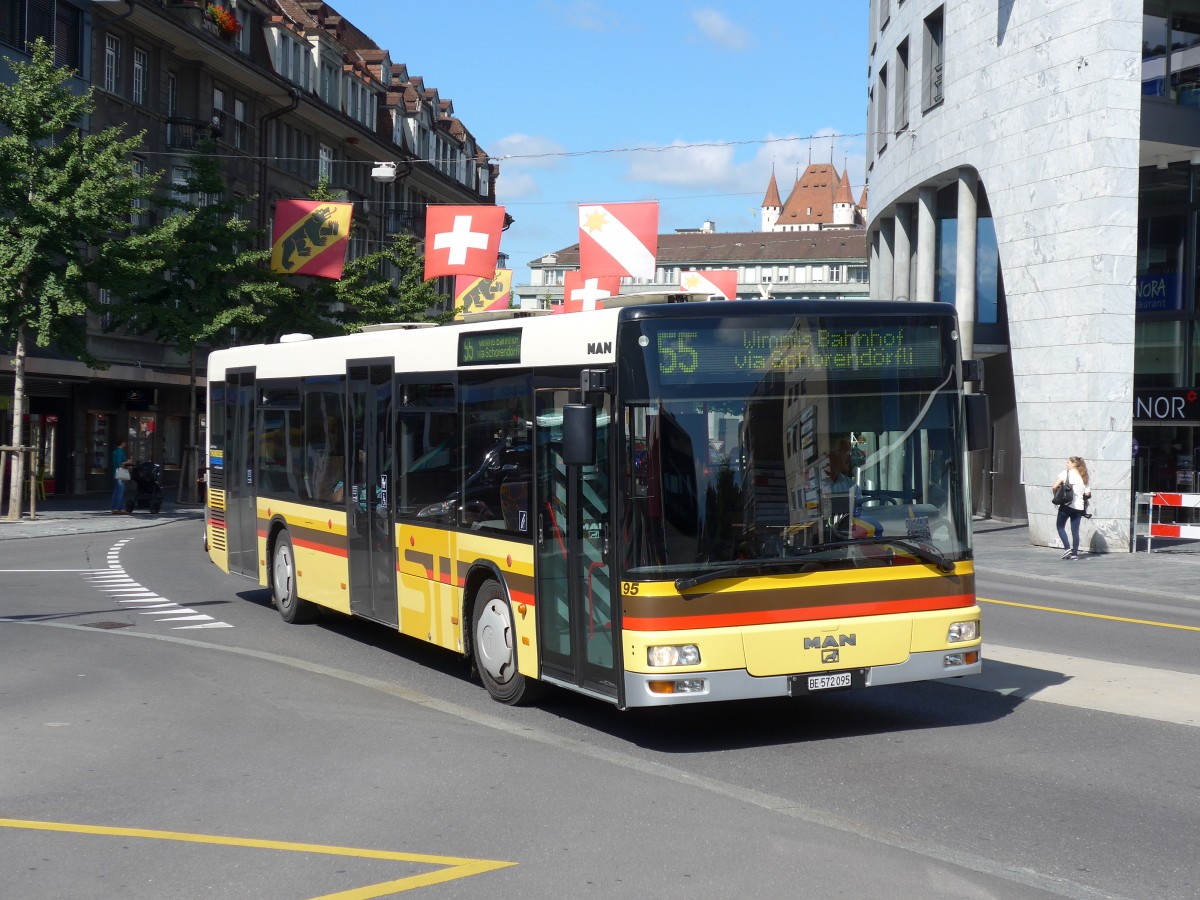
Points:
(493, 643)
(292, 608)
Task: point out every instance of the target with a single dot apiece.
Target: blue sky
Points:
(583, 100)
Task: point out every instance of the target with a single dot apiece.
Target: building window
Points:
(141, 62)
(239, 124)
(67, 36)
(934, 56)
(139, 217)
(900, 116)
(881, 109)
(325, 163)
(218, 113)
(112, 63)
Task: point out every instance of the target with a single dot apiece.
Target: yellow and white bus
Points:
(648, 504)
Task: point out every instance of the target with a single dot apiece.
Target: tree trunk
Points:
(195, 462)
(17, 472)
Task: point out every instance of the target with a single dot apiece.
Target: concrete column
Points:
(903, 251)
(964, 287)
(926, 243)
(873, 271)
(887, 231)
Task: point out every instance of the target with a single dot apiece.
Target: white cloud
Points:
(682, 166)
(516, 185)
(716, 168)
(527, 151)
(720, 30)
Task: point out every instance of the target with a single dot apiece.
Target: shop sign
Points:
(1159, 293)
(1166, 404)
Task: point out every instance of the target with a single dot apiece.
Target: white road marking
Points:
(115, 582)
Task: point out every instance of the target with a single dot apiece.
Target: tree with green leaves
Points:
(66, 199)
(217, 278)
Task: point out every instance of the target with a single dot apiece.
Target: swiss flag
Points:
(618, 239)
(582, 293)
(714, 282)
(462, 240)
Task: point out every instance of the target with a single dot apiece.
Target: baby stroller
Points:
(147, 493)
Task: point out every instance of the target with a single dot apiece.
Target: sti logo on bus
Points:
(599, 347)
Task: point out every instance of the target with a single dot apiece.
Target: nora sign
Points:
(1159, 293)
(1166, 404)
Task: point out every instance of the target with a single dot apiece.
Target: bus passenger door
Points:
(241, 509)
(576, 634)
(370, 527)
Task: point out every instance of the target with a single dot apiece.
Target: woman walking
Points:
(120, 476)
(1075, 475)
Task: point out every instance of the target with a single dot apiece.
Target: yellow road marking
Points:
(455, 867)
(1088, 615)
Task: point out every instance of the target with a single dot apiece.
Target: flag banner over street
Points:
(582, 292)
(462, 240)
(618, 239)
(472, 294)
(716, 282)
(310, 237)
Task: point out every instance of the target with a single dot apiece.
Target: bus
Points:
(649, 504)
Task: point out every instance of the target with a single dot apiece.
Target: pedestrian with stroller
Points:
(120, 478)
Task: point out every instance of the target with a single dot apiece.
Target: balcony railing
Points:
(186, 134)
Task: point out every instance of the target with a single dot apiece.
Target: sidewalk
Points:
(89, 514)
(1000, 548)
(1172, 570)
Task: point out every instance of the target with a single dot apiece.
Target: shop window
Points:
(99, 435)
(1158, 353)
(172, 445)
(141, 437)
(1160, 262)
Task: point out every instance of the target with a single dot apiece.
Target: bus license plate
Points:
(829, 681)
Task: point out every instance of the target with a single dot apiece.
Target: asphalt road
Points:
(164, 734)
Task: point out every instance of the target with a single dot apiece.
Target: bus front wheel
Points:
(494, 646)
(294, 610)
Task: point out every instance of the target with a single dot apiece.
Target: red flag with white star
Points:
(618, 239)
(582, 293)
(462, 240)
(715, 282)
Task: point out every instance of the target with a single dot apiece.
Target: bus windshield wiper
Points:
(924, 552)
(747, 567)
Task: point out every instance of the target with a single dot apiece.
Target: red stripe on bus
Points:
(521, 597)
(783, 616)
(322, 548)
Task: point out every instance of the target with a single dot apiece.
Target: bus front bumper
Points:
(677, 687)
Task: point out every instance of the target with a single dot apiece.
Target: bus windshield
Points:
(783, 443)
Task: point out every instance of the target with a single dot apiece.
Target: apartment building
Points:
(291, 92)
(1038, 164)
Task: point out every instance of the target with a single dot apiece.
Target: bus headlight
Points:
(962, 631)
(672, 655)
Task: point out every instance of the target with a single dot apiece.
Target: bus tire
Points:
(493, 643)
(292, 608)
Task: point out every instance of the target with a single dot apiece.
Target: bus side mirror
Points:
(579, 434)
(979, 421)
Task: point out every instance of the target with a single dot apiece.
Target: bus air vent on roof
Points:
(294, 338)
(397, 326)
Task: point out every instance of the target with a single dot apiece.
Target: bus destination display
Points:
(726, 353)
(487, 348)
